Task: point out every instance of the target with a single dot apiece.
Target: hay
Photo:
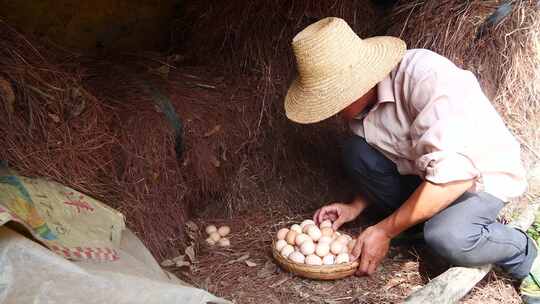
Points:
(51, 126)
(55, 128)
(254, 38)
(503, 51)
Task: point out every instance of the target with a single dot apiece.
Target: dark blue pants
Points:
(466, 233)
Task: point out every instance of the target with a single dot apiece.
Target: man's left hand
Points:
(371, 247)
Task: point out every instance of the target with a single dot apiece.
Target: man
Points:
(428, 147)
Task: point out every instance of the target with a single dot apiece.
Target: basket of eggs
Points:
(314, 252)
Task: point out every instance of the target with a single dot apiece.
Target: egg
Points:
(336, 247)
(306, 222)
(300, 238)
(342, 258)
(282, 233)
(308, 226)
(322, 249)
(314, 233)
(335, 235)
(210, 229)
(325, 239)
(215, 236)
(326, 231)
(307, 248)
(296, 228)
(290, 237)
(224, 242)
(351, 244)
(313, 260)
(210, 241)
(224, 230)
(286, 250)
(328, 259)
(343, 239)
(297, 257)
(280, 244)
(326, 224)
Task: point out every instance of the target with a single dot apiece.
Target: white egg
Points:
(210, 241)
(328, 259)
(307, 248)
(307, 227)
(296, 228)
(342, 258)
(343, 239)
(297, 257)
(215, 236)
(336, 247)
(224, 230)
(291, 236)
(282, 233)
(326, 231)
(210, 229)
(313, 260)
(280, 244)
(325, 239)
(351, 244)
(314, 233)
(322, 249)
(300, 238)
(224, 242)
(306, 222)
(326, 224)
(286, 250)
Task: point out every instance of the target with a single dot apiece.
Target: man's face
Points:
(359, 105)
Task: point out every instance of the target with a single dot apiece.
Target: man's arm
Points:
(428, 199)
(425, 202)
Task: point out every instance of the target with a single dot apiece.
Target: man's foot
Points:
(530, 286)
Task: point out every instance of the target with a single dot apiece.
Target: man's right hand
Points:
(338, 213)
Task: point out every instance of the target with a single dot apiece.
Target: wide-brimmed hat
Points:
(335, 68)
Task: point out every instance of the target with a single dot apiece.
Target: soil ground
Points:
(226, 273)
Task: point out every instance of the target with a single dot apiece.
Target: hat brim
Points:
(339, 90)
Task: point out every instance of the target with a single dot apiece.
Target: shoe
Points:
(530, 286)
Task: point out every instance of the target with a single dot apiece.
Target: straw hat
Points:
(335, 68)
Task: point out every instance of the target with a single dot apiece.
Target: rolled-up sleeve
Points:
(442, 167)
(443, 131)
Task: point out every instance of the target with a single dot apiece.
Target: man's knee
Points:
(454, 243)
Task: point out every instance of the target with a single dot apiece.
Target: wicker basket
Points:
(324, 272)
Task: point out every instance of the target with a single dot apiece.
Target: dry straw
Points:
(498, 40)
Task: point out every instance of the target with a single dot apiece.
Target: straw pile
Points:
(497, 40)
(120, 153)
(254, 37)
(51, 126)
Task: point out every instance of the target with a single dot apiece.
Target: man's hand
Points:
(338, 213)
(371, 247)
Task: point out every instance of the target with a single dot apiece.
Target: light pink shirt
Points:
(433, 120)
